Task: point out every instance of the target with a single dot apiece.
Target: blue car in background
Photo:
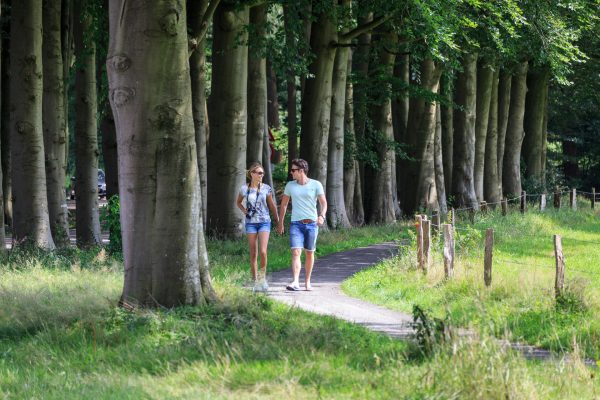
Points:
(101, 185)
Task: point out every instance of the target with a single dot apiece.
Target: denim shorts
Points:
(255, 227)
(303, 236)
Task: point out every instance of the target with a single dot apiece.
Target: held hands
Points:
(280, 228)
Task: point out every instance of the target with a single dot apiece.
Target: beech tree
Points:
(31, 223)
(158, 170)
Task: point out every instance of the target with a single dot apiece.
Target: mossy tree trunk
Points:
(163, 239)
(31, 222)
(289, 14)
(400, 112)
(87, 218)
(504, 89)
(485, 75)
(54, 122)
(228, 119)
(439, 163)
(492, 190)
(2, 230)
(463, 188)
(257, 88)
(447, 131)
(535, 110)
(511, 174)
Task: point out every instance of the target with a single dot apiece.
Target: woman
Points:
(255, 199)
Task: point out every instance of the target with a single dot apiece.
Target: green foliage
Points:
(430, 332)
(110, 217)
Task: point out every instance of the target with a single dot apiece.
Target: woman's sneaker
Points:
(264, 285)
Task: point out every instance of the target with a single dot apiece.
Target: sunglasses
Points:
(295, 169)
(258, 173)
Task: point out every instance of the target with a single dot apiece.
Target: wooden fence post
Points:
(573, 198)
(448, 250)
(556, 198)
(504, 204)
(484, 207)
(542, 201)
(453, 219)
(559, 282)
(489, 250)
(436, 221)
(426, 245)
(419, 226)
(523, 202)
(593, 198)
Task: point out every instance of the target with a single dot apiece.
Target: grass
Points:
(520, 303)
(61, 336)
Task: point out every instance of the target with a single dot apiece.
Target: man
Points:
(304, 228)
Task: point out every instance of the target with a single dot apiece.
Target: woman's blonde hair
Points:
(251, 168)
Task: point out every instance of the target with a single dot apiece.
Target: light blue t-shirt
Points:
(304, 198)
(259, 202)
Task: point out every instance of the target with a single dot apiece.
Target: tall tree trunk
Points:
(272, 98)
(289, 14)
(316, 100)
(383, 209)
(504, 89)
(5, 129)
(439, 163)
(54, 123)
(227, 116)
(511, 175)
(31, 221)
(257, 89)
(2, 229)
(109, 151)
(353, 199)
(426, 191)
(485, 74)
(400, 110)
(198, 9)
(163, 240)
(86, 140)
(463, 188)
(336, 207)
(447, 131)
(535, 107)
(492, 190)
(545, 139)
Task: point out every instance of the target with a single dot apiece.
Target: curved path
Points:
(327, 297)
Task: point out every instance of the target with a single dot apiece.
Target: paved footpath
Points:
(327, 297)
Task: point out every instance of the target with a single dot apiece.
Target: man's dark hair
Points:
(300, 163)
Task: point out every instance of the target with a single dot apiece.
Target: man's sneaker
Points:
(294, 287)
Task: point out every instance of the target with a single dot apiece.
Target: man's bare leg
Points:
(309, 261)
(296, 265)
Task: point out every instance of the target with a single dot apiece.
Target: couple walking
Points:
(255, 200)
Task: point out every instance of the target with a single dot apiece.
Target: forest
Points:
(398, 107)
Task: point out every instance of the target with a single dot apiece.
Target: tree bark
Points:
(336, 207)
(5, 128)
(485, 75)
(463, 188)
(86, 140)
(400, 112)
(291, 91)
(511, 175)
(426, 191)
(198, 81)
(272, 98)
(31, 221)
(535, 107)
(447, 131)
(163, 240)
(383, 209)
(439, 164)
(228, 119)
(492, 190)
(54, 123)
(316, 100)
(257, 89)
(504, 89)
(2, 228)
(353, 199)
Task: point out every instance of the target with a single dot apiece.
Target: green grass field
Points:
(62, 336)
(520, 303)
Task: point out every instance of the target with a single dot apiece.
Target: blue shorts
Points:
(255, 227)
(303, 236)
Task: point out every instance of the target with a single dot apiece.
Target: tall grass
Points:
(521, 299)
